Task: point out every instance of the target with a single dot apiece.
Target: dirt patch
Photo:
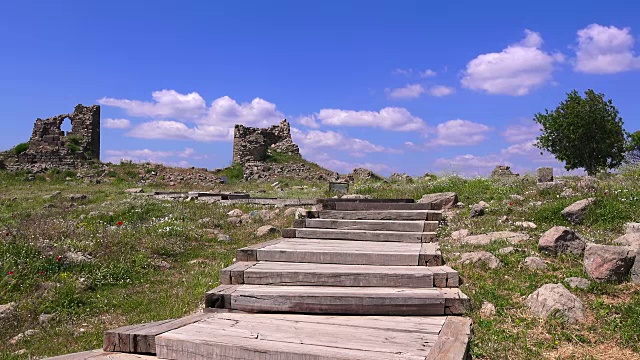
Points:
(606, 351)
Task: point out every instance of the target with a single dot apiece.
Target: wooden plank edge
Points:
(289, 233)
(249, 253)
(140, 338)
(219, 297)
(453, 341)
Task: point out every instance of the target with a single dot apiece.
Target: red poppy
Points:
(7, 234)
(59, 258)
(510, 204)
(10, 273)
(119, 223)
(40, 272)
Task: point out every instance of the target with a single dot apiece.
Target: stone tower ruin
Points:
(253, 144)
(51, 147)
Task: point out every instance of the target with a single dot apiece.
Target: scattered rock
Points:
(635, 269)
(76, 257)
(577, 282)
(44, 318)
(556, 299)
(266, 215)
(567, 193)
(235, 213)
(485, 239)
(134, 191)
(577, 211)
(246, 218)
(266, 229)
(20, 352)
(223, 237)
(632, 227)
(6, 309)
(290, 211)
(630, 239)
(534, 263)
(588, 183)
(516, 197)
(480, 258)
(545, 174)
(526, 224)
(561, 240)
(301, 213)
(444, 200)
(14, 340)
(608, 262)
(362, 174)
(52, 195)
(478, 209)
(487, 310)
(506, 250)
(77, 197)
(234, 220)
(460, 234)
(162, 264)
(503, 219)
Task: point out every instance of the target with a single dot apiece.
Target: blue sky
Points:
(395, 86)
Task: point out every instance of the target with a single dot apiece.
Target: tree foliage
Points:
(584, 133)
(633, 148)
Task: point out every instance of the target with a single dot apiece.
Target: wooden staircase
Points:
(355, 280)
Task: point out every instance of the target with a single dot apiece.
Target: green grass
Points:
(131, 239)
(234, 173)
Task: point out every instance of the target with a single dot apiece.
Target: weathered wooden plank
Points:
(371, 225)
(430, 255)
(249, 253)
(456, 303)
(100, 354)
(282, 273)
(289, 233)
(398, 215)
(140, 338)
(338, 300)
(226, 274)
(300, 223)
(220, 297)
(361, 235)
(453, 278)
(341, 252)
(430, 226)
(453, 341)
(286, 337)
(428, 237)
(353, 206)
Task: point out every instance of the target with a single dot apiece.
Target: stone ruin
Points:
(50, 147)
(502, 171)
(254, 144)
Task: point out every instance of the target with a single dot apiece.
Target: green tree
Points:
(584, 133)
(633, 148)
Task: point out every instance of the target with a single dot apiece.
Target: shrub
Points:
(74, 143)
(20, 148)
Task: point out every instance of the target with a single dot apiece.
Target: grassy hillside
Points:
(113, 259)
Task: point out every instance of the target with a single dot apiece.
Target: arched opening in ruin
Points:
(66, 126)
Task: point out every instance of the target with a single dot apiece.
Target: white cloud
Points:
(605, 50)
(521, 132)
(405, 72)
(314, 139)
(309, 121)
(471, 164)
(389, 118)
(516, 70)
(441, 90)
(166, 104)
(409, 91)
(154, 156)
(428, 73)
(530, 151)
(458, 133)
(214, 123)
(117, 123)
(175, 130)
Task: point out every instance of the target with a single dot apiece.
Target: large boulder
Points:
(478, 209)
(608, 262)
(632, 227)
(561, 240)
(635, 269)
(486, 239)
(534, 263)
(480, 258)
(266, 229)
(577, 211)
(445, 200)
(556, 299)
(630, 239)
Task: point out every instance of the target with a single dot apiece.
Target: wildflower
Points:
(511, 204)
(40, 272)
(7, 234)
(10, 273)
(119, 223)
(59, 258)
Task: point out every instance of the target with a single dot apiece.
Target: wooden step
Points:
(396, 215)
(338, 300)
(343, 252)
(234, 336)
(368, 206)
(361, 235)
(371, 225)
(313, 274)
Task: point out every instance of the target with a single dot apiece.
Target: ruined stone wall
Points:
(253, 144)
(50, 147)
